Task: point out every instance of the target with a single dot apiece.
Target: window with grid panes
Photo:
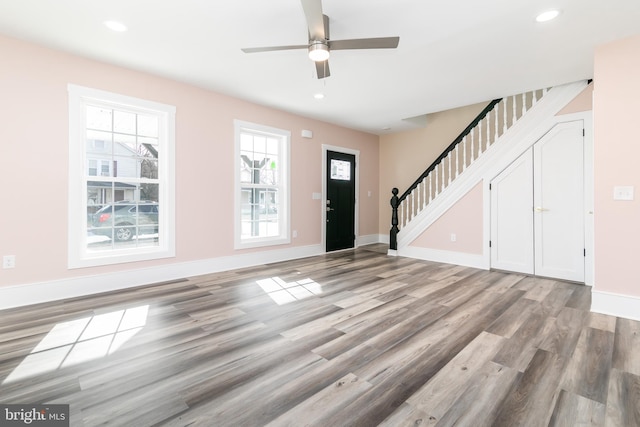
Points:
(121, 178)
(262, 174)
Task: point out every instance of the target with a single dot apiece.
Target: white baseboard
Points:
(369, 239)
(383, 238)
(447, 257)
(615, 304)
(35, 293)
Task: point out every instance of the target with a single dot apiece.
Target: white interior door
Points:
(512, 217)
(559, 203)
(537, 208)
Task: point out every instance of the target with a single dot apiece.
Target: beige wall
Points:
(616, 109)
(34, 162)
(405, 155)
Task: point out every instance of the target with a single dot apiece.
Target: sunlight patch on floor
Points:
(285, 292)
(81, 340)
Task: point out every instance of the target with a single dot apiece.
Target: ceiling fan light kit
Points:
(318, 51)
(320, 45)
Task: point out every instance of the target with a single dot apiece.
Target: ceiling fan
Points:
(320, 45)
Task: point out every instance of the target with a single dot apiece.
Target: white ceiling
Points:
(451, 53)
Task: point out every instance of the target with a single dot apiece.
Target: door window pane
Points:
(340, 170)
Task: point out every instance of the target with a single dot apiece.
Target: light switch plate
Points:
(623, 192)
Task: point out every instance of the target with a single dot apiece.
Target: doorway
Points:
(340, 201)
(538, 208)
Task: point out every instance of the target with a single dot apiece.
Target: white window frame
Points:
(284, 197)
(78, 254)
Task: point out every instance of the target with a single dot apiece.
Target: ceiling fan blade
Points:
(371, 43)
(315, 21)
(322, 69)
(272, 48)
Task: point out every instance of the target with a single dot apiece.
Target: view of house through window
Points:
(122, 178)
(262, 164)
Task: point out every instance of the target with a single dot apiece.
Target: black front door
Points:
(341, 200)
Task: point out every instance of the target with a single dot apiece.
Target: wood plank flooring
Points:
(354, 338)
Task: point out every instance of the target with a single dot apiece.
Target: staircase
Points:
(495, 138)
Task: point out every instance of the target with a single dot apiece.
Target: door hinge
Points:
(584, 252)
(489, 243)
(583, 132)
(489, 187)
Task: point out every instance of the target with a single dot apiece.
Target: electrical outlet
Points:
(453, 237)
(295, 234)
(9, 261)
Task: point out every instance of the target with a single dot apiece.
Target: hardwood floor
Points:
(356, 338)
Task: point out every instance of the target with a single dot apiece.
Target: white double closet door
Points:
(537, 208)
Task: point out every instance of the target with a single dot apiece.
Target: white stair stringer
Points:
(522, 135)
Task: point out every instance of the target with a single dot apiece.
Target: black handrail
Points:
(395, 200)
(451, 147)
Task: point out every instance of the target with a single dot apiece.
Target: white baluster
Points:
(435, 170)
(473, 148)
(488, 120)
(430, 185)
(480, 137)
(457, 168)
(515, 116)
(413, 203)
(404, 212)
(464, 153)
(424, 192)
(496, 124)
(524, 103)
(504, 114)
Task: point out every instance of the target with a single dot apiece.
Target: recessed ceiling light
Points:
(548, 15)
(319, 96)
(115, 26)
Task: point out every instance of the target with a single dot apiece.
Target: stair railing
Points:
(488, 126)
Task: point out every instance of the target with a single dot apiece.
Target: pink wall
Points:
(34, 160)
(464, 219)
(616, 110)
